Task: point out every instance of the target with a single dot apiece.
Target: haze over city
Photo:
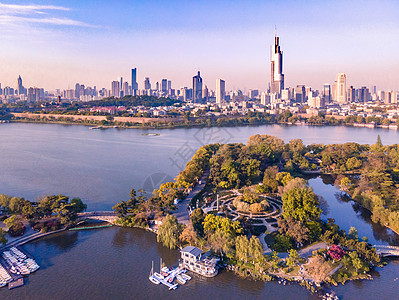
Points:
(54, 44)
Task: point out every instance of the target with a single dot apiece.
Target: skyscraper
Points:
(197, 88)
(164, 85)
(135, 85)
(277, 76)
(220, 91)
(115, 89)
(341, 88)
(21, 89)
(327, 93)
(147, 84)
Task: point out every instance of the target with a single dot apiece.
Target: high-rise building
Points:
(277, 76)
(21, 89)
(351, 94)
(169, 85)
(147, 84)
(115, 89)
(363, 94)
(125, 88)
(341, 88)
(300, 94)
(197, 88)
(205, 93)
(164, 85)
(327, 93)
(135, 85)
(220, 90)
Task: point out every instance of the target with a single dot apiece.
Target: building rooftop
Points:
(192, 250)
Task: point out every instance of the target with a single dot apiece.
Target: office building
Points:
(21, 89)
(135, 85)
(277, 76)
(327, 93)
(115, 89)
(220, 90)
(197, 88)
(164, 85)
(147, 84)
(341, 88)
(300, 94)
(351, 94)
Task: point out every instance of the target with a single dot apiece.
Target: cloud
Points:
(23, 16)
(14, 20)
(13, 9)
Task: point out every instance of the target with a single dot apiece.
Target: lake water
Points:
(101, 166)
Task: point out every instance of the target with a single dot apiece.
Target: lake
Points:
(101, 166)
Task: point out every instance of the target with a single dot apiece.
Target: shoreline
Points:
(195, 125)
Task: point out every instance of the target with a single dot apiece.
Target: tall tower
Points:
(277, 76)
(220, 90)
(135, 85)
(197, 88)
(341, 88)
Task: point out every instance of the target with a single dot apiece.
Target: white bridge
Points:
(107, 216)
(387, 250)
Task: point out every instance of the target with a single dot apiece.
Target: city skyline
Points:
(55, 46)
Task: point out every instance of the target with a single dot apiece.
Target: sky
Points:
(55, 44)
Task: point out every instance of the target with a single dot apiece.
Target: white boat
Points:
(158, 276)
(152, 277)
(185, 276)
(180, 279)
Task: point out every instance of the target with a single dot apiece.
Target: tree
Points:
(10, 221)
(318, 268)
(301, 204)
(197, 219)
(3, 239)
(353, 234)
(242, 248)
(335, 252)
(188, 235)
(293, 257)
(221, 242)
(169, 232)
(121, 209)
(16, 204)
(78, 204)
(255, 249)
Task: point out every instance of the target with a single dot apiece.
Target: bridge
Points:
(387, 250)
(106, 216)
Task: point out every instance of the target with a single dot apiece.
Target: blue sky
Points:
(54, 44)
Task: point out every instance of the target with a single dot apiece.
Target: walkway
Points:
(266, 248)
(182, 213)
(387, 250)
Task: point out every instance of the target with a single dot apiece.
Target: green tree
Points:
(10, 221)
(169, 232)
(78, 204)
(222, 242)
(197, 219)
(242, 248)
(293, 257)
(255, 249)
(3, 239)
(352, 234)
(301, 204)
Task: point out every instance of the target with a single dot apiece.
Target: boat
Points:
(152, 277)
(185, 276)
(158, 276)
(180, 279)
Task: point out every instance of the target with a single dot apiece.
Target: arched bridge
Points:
(107, 216)
(387, 250)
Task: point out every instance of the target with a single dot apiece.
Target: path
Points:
(266, 248)
(306, 252)
(181, 213)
